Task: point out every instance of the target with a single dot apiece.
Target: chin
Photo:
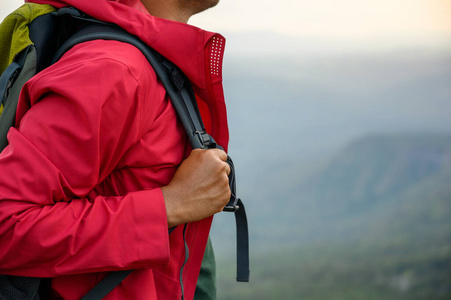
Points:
(201, 5)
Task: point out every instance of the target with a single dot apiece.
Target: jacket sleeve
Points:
(80, 120)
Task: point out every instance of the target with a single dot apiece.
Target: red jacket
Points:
(95, 139)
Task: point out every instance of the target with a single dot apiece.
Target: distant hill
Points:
(380, 209)
(378, 166)
(378, 177)
(374, 177)
(380, 181)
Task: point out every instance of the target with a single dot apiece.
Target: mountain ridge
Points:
(386, 235)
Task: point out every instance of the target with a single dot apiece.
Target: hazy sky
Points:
(333, 18)
(328, 18)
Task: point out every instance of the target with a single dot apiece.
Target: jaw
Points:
(192, 7)
(177, 10)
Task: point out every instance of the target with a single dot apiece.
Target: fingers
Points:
(223, 156)
(221, 153)
(228, 170)
(217, 153)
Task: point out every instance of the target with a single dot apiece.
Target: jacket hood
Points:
(185, 45)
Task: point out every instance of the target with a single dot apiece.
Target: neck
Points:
(167, 9)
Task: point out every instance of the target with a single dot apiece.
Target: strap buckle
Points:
(204, 138)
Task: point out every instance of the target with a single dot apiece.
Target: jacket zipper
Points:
(183, 265)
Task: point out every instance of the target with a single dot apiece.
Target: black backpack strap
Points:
(11, 82)
(184, 101)
(18, 287)
(107, 284)
(10, 74)
(242, 241)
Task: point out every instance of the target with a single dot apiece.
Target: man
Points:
(99, 167)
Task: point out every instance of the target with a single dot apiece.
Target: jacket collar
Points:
(186, 46)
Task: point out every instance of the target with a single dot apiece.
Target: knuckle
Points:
(225, 168)
(227, 191)
(204, 154)
(229, 194)
(225, 180)
(220, 154)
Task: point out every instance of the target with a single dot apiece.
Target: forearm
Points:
(53, 221)
(80, 236)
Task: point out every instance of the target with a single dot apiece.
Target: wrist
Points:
(173, 214)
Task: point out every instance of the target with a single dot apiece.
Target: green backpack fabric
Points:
(14, 32)
(16, 47)
(206, 283)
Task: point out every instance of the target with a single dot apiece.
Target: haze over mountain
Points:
(313, 105)
(344, 164)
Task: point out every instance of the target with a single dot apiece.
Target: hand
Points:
(199, 188)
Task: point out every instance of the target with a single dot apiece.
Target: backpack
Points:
(27, 50)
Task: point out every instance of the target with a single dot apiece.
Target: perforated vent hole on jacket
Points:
(217, 48)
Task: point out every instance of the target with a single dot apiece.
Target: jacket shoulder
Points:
(111, 53)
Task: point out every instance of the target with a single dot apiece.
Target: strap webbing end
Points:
(243, 279)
